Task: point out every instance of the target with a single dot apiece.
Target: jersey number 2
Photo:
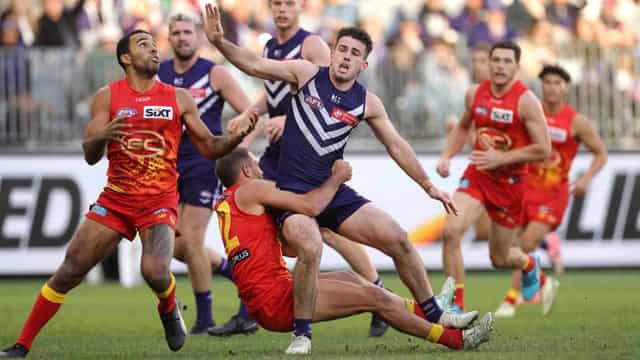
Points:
(224, 221)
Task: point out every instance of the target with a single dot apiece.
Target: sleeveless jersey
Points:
(554, 171)
(146, 163)
(497, 122)
(278, 92)
(210, 103)
(318, 126)
(252, 247)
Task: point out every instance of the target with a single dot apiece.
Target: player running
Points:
(291, 42)
(547, 194)
(510, 132)
(266, 287)
(139, 121)
(326, 105)
(210, 85)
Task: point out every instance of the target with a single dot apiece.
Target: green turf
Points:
(597, 317)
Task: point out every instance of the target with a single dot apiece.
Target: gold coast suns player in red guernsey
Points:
(510, 132)
(548, 188)
(139, 121)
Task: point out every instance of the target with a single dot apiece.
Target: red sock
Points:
(543, 279)
(451, 338)
(46, 306)
(167, 298)
(530, 264)
(414, 307)
(458, 296)
(512, 296)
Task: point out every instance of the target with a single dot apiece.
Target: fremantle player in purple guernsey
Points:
(211, 86)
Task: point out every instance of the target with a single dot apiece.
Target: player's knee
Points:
(499, 260)
(528, 244)
(154, 269)
(309, 251)
(452, 234)
(381, 298)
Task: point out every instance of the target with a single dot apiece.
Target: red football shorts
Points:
(273, 308)
(127, 214)
(546, 207)
(501, 198)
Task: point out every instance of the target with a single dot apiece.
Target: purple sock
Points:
(203, 308)
(243, 313)
(302, 327)
(431, 309)
(378, 283)
(224, 269)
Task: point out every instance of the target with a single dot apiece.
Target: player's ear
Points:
(365, 65)
(246, 169)
(126, 59)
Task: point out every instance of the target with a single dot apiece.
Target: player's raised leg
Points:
(303, 236)
(373, 227)
(157, 252)
(342, 294)
(91, 243)
(356, 256)
(454, 229)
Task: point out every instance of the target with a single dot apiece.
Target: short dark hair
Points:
(228, 167)
(358, 34)
(481, 47)
(123, 44)
(509, 46)
(555, 70)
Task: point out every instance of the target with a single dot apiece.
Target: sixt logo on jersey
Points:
(158, 112)
(502, 115)
(313, 101)
(557, 134)
(126, 112)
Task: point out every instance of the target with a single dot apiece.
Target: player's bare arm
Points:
(100, 130)
(532, 116)
(458, 135)
(400, 150)
(256, 194)
(209, 145)
(230, 89)
(295, 72)
(584, 131)
(316, 50)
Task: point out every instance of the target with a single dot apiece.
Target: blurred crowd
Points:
(425, 54)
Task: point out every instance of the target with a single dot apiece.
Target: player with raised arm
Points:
(326, 105)
(510, 132)
(264, 283)
(290, 42)
(211, 86)
(138, 122)
(548, 188)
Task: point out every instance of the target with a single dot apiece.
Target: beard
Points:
(148, 69)
(184, 56)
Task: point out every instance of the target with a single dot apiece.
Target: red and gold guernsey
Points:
(253, 250)
(498, 124)
(146, 163)
(553, 172)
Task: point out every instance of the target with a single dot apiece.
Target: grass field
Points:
(597, 316)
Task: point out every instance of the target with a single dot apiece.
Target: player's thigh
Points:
(372, 226)
(501, 240)
(157, 242)
(336, 299)
(345, 275)
(470, 210)
(301, 233)
(91, 243)
(483, 226)
(532, 235)
(192, 224)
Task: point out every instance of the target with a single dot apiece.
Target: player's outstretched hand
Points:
(275, 127)
(253, 119)
(443, 167)
(444, 198)
(113, 131)
(212, 25)
(342, 170)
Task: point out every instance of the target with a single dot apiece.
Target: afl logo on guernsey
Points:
(502, 115)
(143, 144)
(158, 112)
(126, 112)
